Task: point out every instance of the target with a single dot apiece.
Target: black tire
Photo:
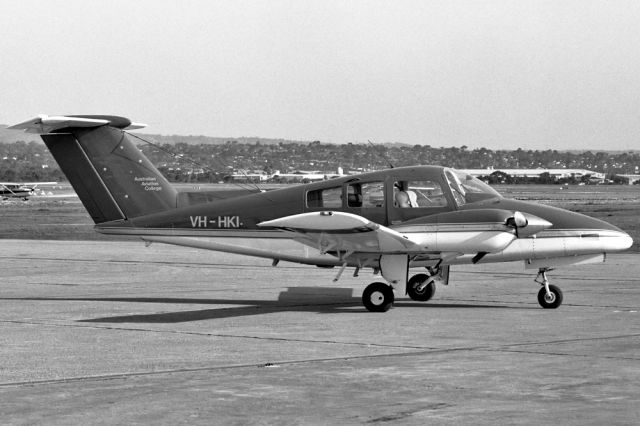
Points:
(378, 297)
(550, 302)
(420, 295)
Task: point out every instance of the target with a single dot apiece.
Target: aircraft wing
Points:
(460, 233)
(39, 183)
(27, 183)
(341, 232)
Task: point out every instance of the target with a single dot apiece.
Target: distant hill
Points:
(198, 140)
(11, 136)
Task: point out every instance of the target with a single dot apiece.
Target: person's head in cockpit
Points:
(404, 197)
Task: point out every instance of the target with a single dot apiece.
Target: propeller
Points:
(526, 224)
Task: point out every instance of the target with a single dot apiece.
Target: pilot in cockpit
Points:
(403, 196)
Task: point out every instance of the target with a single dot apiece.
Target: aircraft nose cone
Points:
(621, 241)
(594, 235)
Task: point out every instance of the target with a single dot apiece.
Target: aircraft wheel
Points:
(418, 291)
(378, 297)
(550, 301)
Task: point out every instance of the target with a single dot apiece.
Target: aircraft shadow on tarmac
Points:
(324, 300)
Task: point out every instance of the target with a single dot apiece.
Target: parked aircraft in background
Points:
(390, 221)
(20, 190)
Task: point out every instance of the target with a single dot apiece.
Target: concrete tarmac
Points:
(120, 333)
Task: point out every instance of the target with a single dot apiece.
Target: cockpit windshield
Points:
(467, 189)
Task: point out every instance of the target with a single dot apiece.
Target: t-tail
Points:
(112, 177)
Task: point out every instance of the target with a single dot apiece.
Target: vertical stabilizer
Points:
(112, 177)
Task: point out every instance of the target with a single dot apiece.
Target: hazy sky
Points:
(498, 74)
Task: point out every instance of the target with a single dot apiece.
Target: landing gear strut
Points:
(549, 296)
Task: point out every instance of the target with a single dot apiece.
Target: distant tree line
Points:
(28, 162)
(220, 160)
(208, 162)
(499, 177)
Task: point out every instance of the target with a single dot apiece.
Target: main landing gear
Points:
(421, 287)
(379, 296)
(549, 296)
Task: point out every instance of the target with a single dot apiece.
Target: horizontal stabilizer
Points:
(43, 124)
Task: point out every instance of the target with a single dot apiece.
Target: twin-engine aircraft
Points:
(391, 221)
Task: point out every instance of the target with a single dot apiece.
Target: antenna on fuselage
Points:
(194, 162)
(381, 154)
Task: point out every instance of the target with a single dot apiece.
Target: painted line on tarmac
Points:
(434, 351)
(543, 352)
(219, 335)
(148, 262)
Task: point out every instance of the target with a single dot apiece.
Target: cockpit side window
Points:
(468, 189)
(456, 188)
(412, 194)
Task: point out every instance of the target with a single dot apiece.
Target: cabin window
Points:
(366, 195)
(325, 198)
(423, 193)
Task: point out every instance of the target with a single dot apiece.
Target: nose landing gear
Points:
(549, 296)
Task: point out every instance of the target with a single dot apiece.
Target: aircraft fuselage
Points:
(442, 220)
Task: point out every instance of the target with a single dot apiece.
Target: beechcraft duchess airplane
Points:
(427, 217)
